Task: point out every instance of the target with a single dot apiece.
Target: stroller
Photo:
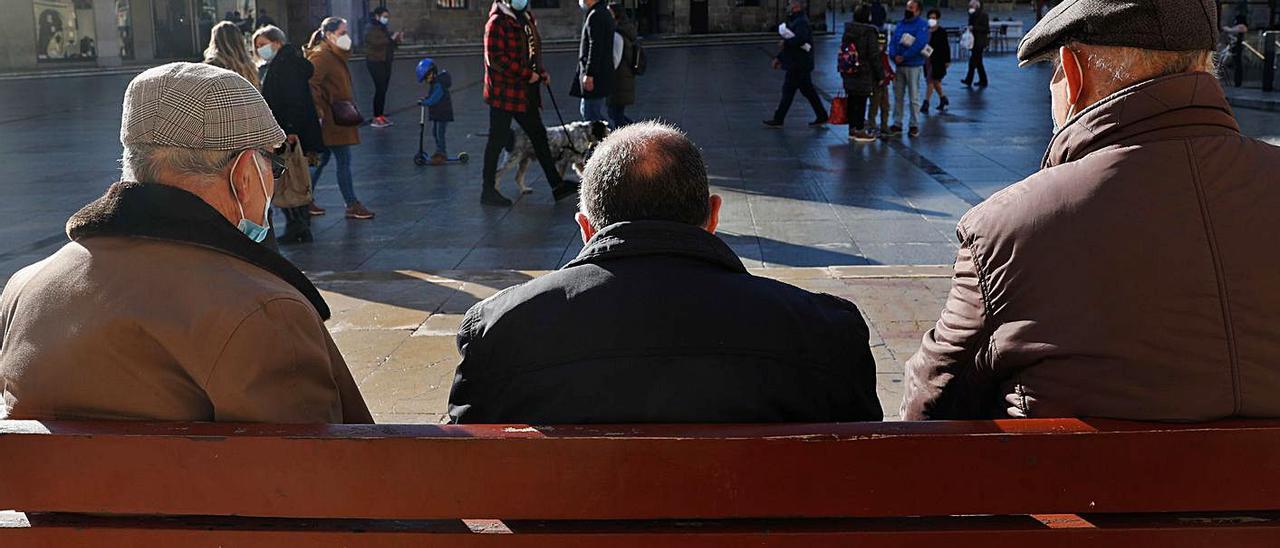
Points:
(435, 94)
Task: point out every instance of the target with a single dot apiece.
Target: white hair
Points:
(1126, 66)
(148, 163)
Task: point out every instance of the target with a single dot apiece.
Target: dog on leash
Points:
(570, 146)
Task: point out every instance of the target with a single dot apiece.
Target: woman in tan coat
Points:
(328, 51)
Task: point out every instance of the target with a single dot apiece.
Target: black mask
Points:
(910, 14)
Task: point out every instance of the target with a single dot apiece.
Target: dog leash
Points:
(563, 127)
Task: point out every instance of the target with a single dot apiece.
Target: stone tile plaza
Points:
(874, 222)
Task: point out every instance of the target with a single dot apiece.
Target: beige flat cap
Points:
(198, 106)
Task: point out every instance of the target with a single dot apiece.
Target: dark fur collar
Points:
(163, 212)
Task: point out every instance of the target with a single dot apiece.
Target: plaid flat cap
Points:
(1164, 25)
(198, 106)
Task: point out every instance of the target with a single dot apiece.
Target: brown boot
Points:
(358, 211)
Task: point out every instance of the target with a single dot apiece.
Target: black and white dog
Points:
(570, 146)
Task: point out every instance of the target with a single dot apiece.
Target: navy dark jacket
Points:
(660, 322)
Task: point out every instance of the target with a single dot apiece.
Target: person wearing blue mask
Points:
(164, 305)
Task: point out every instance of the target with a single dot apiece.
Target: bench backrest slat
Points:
(639, 472)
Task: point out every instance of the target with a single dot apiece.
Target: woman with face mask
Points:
(329, 51)
(935, 68)
(380, 48)
(286, 76)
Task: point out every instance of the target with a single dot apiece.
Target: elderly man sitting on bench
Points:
(1136, 275)
(165, 305)
(657, 320)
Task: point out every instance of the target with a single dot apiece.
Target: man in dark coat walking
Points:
(594, 81)
(980, 26)
(796, 58)
(657, 320)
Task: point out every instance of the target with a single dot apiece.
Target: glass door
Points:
(175, 30)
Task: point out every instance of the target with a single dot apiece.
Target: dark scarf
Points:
(160, 212)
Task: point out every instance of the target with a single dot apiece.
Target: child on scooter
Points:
(439, 105)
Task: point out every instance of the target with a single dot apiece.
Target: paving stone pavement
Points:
(396, 329)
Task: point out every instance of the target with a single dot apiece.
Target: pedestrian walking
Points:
(380, 49)
(906, 46)
(796, 58)
(624, 76)
(860, 62)
(512, 88)
(939, 61)
(980, 26)
(439, 112)
(226, 50)
(594, 81)
(331, 91)
(286, 77)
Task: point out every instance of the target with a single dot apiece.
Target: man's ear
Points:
(1072, 70)
(244, 174)
(713, 218)
(584, 226)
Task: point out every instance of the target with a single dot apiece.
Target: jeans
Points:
(879, 106)
(907, 82)
(592, 110)
(438, 127)
(975, 64)
(381, 73)
(618, 114)
(500, 136)
(343, 154)
(858, 112)
(802, 81)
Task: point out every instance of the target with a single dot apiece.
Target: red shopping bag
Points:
(839, 110)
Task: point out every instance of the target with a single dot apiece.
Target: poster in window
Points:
(65, 30)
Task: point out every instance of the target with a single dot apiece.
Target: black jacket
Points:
(286, 87)
(870, 71)
(660, 322)
(980, 24)
(793, 56)
(595, 53)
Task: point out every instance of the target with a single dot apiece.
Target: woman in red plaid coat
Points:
(512, 79)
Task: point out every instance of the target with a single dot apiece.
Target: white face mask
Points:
(582, 4)
(384, 20)
(267, 53)
(933, 23)
(343, 42)
(972, 11)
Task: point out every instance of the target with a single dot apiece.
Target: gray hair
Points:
(647, 171)
(150, 163)
(270, 32)
(1126, 66)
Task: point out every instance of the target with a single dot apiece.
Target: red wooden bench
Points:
(991, 484)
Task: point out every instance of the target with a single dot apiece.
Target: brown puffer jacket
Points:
(1135, 276)
(332, 82)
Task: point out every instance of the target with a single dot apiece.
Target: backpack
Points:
(638, 60)
(847, 62)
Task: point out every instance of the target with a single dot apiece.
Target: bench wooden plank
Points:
(639, 472)
(1261, 530)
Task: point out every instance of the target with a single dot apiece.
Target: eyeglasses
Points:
(278, 166)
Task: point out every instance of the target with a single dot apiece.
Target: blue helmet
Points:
(425, 66)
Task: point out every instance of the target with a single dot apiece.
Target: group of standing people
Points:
(870, 60)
